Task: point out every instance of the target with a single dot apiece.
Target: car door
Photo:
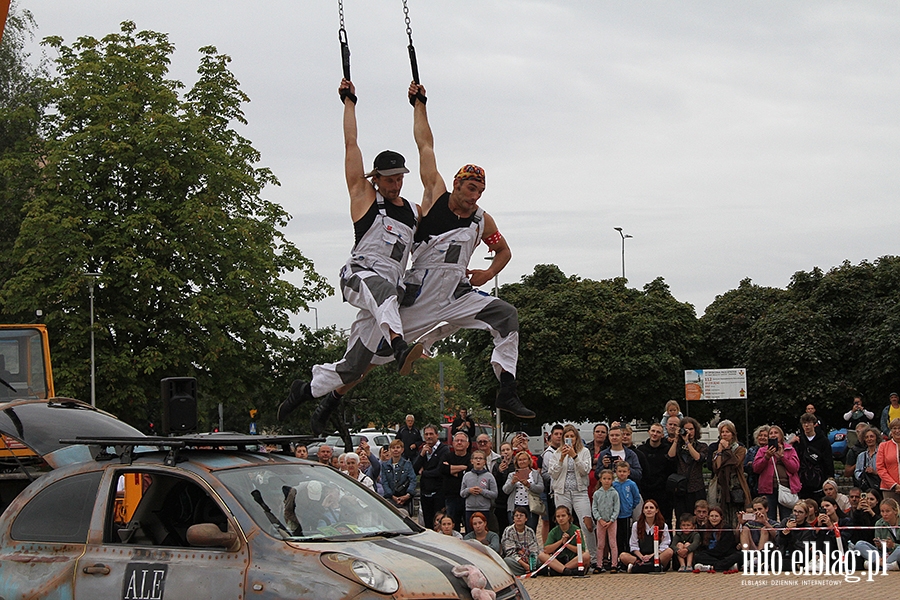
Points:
(139, 550)
(44, 533)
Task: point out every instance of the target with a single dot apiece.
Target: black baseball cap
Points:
(388, 163)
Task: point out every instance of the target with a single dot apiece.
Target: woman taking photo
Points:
(888, 464)
(501, 470)
(522, 480)
(690, 455)
(778, 464)
(569, 468)
(830, 517)
(728, 487)
(887, 532)
(796, 531)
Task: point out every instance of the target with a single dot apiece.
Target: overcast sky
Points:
(731, 139)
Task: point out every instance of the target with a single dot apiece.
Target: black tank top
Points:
(440, 219)
(406, 214)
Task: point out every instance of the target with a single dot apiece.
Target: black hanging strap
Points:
(345, 53)
(414, 65)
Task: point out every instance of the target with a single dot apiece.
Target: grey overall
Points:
(443, 300)
(369, 281)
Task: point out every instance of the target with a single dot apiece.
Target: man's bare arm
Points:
(362, 194)
(431, 179)
(502, 253)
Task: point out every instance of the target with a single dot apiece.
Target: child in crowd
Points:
(672, 410)
(685, 543)
(629, 501)
(701, 514)
(479, 487)
(565, 533)
(605, 509)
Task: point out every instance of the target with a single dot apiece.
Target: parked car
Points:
(479, 429)
(838, 440)
(217, 523)
(377, 439)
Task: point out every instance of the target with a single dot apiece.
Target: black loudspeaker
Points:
(179, 405)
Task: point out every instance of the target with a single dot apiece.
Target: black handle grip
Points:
(345, 60)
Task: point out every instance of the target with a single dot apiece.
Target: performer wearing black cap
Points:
(384, 224)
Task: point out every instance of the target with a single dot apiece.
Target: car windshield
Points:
(298, 502)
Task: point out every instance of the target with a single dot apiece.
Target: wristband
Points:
(419, 97)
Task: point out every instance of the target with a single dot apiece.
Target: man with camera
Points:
(858, 414)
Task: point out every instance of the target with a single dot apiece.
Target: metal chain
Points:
(342, 33)
(408, 27)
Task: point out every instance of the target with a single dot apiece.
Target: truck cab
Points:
(25, 370)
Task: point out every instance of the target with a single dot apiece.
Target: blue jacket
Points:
(398, 479)
(629, 497)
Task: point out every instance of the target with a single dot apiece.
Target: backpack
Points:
(812, 476)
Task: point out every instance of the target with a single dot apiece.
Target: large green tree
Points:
(22, 101)
(591, 349)
(159, 194)
(827, 336)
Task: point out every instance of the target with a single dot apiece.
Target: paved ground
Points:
(674, 586)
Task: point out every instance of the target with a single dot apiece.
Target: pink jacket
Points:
(766, 470)
(886, 464)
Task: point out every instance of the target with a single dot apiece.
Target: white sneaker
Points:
(701, 567)
(893, 566)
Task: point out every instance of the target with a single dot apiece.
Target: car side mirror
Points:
(209, 535)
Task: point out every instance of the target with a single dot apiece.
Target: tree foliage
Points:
(162, 196)
(591, 349)
(824, 338)
(22, 101)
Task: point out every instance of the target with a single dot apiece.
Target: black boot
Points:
(406, 355)
(299, 394)
(508, 400)
(319, 420)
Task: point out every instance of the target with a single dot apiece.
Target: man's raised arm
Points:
(361, 191)
(431, 180)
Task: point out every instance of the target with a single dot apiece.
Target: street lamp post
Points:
(624, 235)
(92, 278)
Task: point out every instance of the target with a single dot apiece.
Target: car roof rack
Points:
(123, 447)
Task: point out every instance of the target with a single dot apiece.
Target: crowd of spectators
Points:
(672, 502)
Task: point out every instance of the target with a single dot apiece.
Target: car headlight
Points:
(370, 574)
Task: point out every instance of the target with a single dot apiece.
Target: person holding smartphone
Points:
(689, 454)
(778, 464)
(796, 530)
(756, 528)
(569, 468)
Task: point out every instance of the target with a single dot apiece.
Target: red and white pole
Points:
(656, 566)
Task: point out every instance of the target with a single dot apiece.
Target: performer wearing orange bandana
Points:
(439, 285)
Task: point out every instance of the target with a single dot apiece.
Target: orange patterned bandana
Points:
(470, 172)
